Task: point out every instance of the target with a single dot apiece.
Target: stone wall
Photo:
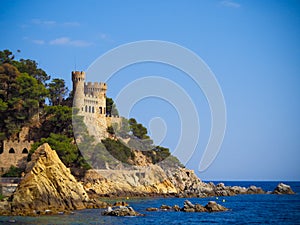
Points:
(112, 120)
(14, 153)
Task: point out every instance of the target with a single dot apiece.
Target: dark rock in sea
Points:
(165, 207)
(283, 189)
(121, 211)
(200, 208)
(176, 208)
(212, 206)
(188, 206)
(152, 209)
(255, 190)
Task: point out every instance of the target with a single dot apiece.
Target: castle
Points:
(90, 99)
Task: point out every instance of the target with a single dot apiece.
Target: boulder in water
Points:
(212, 206)
(121, 211)
(283, 189)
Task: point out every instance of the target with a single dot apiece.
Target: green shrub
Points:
(13, 172)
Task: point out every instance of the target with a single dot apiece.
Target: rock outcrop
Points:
(48, 186)
(149, 180)
(153, 180)
(189, 185)
(211, 206)
(121, 211)
(283, 189)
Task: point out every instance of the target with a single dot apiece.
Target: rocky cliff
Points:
(48, 186)
(148, 180)
(153, 180)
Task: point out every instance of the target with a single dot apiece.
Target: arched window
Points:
(93, 110)
(25, 151)
(86, 108)
(100, 110)
(89, 109)
(11, 151)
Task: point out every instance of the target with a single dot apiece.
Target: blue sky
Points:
(251, 46)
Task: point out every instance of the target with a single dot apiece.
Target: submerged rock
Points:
(283, 189)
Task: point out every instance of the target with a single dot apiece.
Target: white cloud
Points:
(54, 23)
(230, 4)
(60, 41)
(103, 36)
(44, 22)
(68, 41)
(71, 24)
(38, 42)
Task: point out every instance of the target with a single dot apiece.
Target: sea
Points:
(244, 209)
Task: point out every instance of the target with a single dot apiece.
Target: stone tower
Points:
(90, 99)
(78, 78)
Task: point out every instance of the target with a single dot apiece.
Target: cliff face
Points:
(148, 180)
(153, 180)
(48, 185)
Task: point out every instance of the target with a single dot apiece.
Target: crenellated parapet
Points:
(95, 89)
(78, 76)
(100, 86)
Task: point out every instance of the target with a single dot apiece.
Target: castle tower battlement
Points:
(96, 89)
(78, 75)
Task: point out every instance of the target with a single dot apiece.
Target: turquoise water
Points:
(255, 209)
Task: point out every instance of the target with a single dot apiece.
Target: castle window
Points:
(11, 151)
(86, 108)
(89, 109)
(104, 110)
(25, 151)
(100, 110)
(93, 110)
